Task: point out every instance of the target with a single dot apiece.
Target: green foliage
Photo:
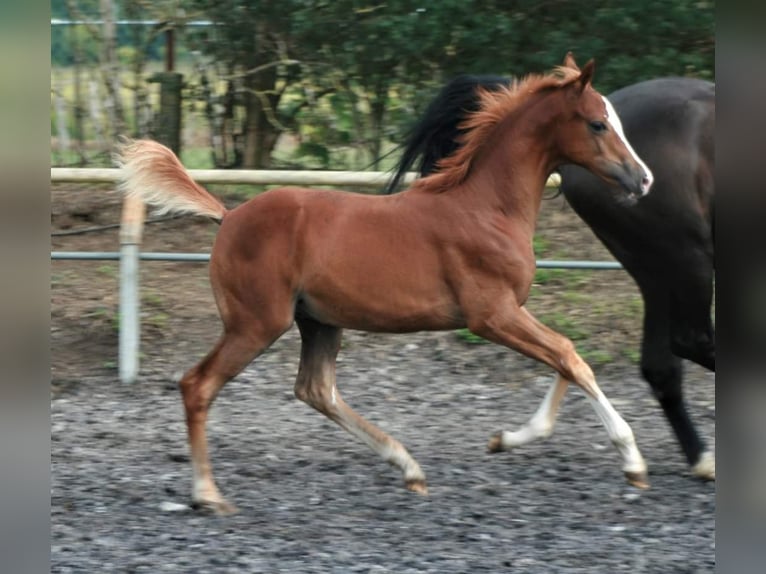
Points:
(127, 55)
(315, 151)
(152, 299)
(154, 314)
(196, 158)
(103, 316)
(65, 40)
(108, 270)
(565, 325)
(632, 354)
(596, 357)
(470, 338)
(546, 276)
(565, 277)
(65, 37)
(356, 73)
(157, 320)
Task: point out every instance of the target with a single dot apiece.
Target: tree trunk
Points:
(376, 136)
(79, 107)
(378, 101)
(110, 69)
(260, 132)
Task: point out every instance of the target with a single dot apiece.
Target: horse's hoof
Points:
(495, 443)
(705, 467)
(638, 479)
(217, 507)
(417, 485)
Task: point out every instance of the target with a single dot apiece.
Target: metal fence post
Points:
(131, 228)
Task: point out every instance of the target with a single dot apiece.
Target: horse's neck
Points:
(511, 178)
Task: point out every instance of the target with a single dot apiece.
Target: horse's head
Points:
(591, 135)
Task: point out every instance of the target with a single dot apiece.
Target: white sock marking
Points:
(389, 450)
(705, 467)
(540, 425)
(620, 434)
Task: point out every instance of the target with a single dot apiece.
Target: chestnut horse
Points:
(454, 250)
(671, 123)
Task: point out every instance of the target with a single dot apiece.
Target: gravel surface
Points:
(312, 499)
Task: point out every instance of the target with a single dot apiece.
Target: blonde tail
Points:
(153, 172)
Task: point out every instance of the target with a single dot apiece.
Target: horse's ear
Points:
(586, 75)
(569, 62)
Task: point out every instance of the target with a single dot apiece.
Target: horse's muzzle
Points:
(647, 179)
(634, 178)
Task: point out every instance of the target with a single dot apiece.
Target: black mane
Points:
(435, 135)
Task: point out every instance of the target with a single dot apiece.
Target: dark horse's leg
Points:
(692, 331)
(316, 387)
(663, 370)
(693, 338)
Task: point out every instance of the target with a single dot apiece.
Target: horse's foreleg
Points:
(664, 372)
(516, 328)
(199, 388)
(539, 426)
(316, 387)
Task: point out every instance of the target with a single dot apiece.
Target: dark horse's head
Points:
(438, 132)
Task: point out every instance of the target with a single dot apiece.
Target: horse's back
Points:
(280, 224)
(667, 114)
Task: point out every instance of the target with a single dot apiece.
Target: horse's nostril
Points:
(646, 183)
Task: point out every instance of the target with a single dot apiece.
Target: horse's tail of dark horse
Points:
(153, 172)
(436, 135)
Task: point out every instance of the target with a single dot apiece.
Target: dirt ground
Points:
(314, 500)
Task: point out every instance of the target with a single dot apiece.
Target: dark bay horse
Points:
(665, 241)
(454, 250)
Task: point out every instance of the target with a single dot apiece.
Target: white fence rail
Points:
(340, 179)
(131, 228)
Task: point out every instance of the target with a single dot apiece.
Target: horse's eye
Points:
(597, 127)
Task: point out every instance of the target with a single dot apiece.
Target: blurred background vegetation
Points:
(330, 84)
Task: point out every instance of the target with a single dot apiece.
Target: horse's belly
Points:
(376, 302)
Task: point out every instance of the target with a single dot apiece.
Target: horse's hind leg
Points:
(316, 387)
(199, 388)
(516, 328)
